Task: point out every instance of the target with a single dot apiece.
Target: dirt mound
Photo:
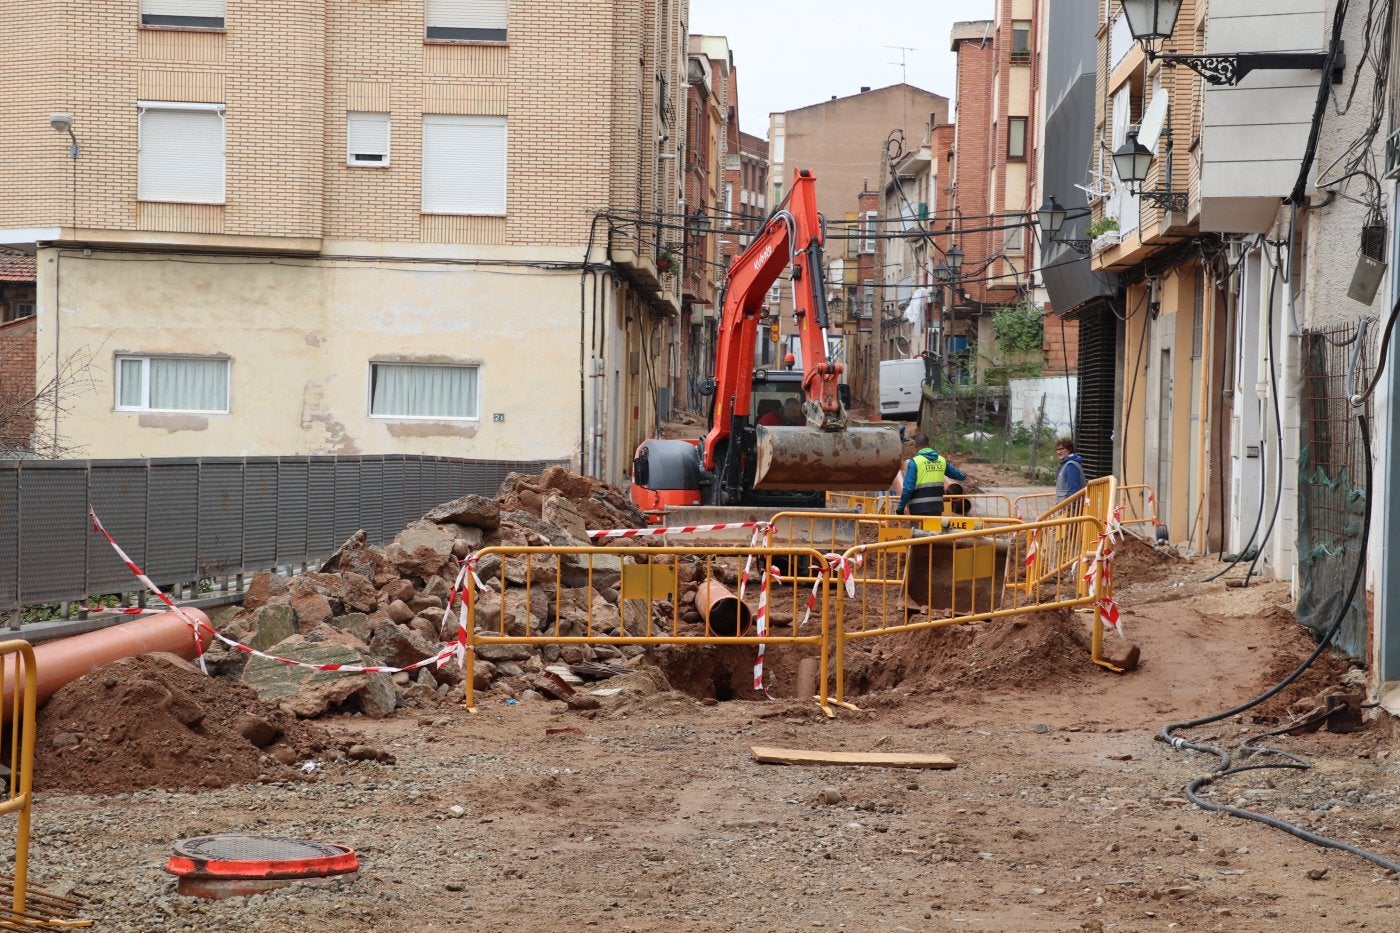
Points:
(156, 721)
(1136, 561)
(1032, 650)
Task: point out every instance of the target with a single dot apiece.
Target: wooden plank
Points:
(799, 756)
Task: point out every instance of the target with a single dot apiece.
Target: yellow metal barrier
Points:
(1028, 508)
(1139, 504)
(978, 504)
(1057, 553)
(950, 579)
(19, 687)
(865, 504)
(617, 596)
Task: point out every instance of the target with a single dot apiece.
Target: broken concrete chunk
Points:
(399, 646)
(355, 623)
(307, 693)
(471, 510)
(272, 624)
(311, 610)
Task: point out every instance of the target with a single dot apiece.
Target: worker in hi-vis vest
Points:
(923, 480)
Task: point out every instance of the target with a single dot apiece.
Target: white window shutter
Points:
(186, 8)
(181, 156)
(367, 138)
(464, 165)
(467, 14)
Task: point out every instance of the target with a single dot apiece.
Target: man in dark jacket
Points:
(923, 480)
(1070, 479)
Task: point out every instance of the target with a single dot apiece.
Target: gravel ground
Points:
(1063, 812)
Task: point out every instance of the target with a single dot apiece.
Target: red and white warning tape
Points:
(761, 624)
(679, 530)
(456, 651)
(188, 619)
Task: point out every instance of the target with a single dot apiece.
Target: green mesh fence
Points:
(1331, 505)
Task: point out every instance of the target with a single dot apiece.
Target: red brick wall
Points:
(972, 156)
(17, 340)
(1061, 344)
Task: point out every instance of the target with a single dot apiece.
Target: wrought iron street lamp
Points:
(1052, 217)
(1152, 21)
(1133, 160)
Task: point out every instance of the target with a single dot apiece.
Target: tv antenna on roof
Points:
(903, 62)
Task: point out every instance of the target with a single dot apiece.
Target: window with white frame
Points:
(173, 383)
(366, 138)
(180, 152)
(869, 227)
(467, 20)
(422, 390)
(464, 165)
(202, 14)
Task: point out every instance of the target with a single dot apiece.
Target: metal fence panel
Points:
(118, 491)
(292, 508)
(320, 519)
(220, 516)
(370, 493)
(53, 516)
(9, 536)
(181, 519)
(391, 507)
(259, 514)
(347, 499)
(172, 521)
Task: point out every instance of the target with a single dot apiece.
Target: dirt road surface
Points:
(1063, 812)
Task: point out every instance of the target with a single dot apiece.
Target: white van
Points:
(901, 383)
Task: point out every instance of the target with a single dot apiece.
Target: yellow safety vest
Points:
(927, 497)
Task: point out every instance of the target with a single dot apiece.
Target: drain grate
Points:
(261, 857)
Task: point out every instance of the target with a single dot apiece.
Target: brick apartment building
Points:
(845, 142)
(330, 227)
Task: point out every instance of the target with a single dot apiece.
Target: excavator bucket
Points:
(803, 458)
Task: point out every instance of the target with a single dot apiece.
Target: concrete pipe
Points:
(58, 663)
(722, 610)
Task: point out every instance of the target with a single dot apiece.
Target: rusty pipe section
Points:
(805, 458)
(722, 611)
(63, 661)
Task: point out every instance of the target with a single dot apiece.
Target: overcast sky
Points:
(790, 54)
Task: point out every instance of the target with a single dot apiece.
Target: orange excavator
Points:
(751, 458)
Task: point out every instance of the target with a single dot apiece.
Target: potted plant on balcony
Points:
(1103, 233)
(665, 260)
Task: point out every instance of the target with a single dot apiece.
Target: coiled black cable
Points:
(1224, 767)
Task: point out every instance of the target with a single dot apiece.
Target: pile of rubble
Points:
(388, 606)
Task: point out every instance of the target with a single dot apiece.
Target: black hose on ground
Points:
(1224, 769)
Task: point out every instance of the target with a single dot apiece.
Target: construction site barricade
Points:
(1139, 504)
(19, 687)
(980, 504)
(621, 595)
(934, 580)
(1059, 552)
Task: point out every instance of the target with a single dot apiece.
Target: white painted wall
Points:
(301, 334)
(1253, 134)
(1059, 392)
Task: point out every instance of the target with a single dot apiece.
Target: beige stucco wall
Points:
(300, 334)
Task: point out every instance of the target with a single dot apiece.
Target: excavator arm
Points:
(825, 453)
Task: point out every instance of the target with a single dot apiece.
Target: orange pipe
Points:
(722, 610)
(64, 660)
